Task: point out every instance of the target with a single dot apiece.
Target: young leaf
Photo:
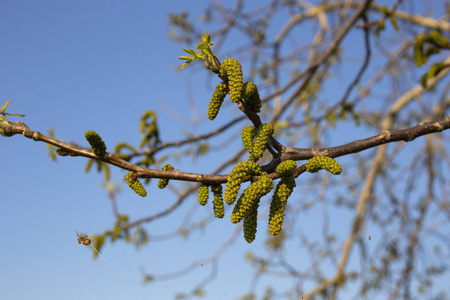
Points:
(3, 108)
(202, 46)
(185, 64)
(185, 57)
(190, 51)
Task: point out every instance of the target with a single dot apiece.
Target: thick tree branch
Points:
(384, 137)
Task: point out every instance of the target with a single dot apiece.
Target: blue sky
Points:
(90, 65)
(98, 65)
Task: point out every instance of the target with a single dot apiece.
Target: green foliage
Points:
(181, 20)
(52, 149)
(203, 194)
(163, 182)
(232, 70)
(4, 107)
(122, 220)
(135, 185)
(211, 61)
(434, 70)
(101, 166)
(99, 242)
(149, 129)
(139, 237)
(118, 150)
(276, 243)
(380, 26)
(216, 100)
(394, 22)
(435, 41)
(381, 23)
(96, 142)
(4, 122)
(236, 177)
(323, 162)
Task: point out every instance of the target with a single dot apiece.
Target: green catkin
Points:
(278, 205)
(264, 131)
(216, 100)
(135, 185)
(218, 206)
(203, 194)
(235, 178)
(96, 142)
(252, 193)
(323, 162)
(163, 182)
(286, 167)
(232, 70)
(251, 222)
(251, 96)
(247, 135)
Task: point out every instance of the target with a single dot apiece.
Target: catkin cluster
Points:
(236, 177)
(247, 135)
(203, 194)
(218, 206)
(251, 222)
(251, 96)
(256, 148)
(286, 167)
(135, 185)
(263, 133)
(277, 207)
(232, 70)
(323, 162)
(216, 100)
(96, 142)
(253, 192)
(163, 182)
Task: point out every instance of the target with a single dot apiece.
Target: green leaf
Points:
(380, 26)
(434, 70)
(205, 52)
(394, 22)
(202, 46)
(190, 51)
(185, 57)
(418, 53)
(207, 36)
(185, 64)
(424, 80)
(3, 108)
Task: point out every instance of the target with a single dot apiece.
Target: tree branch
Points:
(296, 154)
